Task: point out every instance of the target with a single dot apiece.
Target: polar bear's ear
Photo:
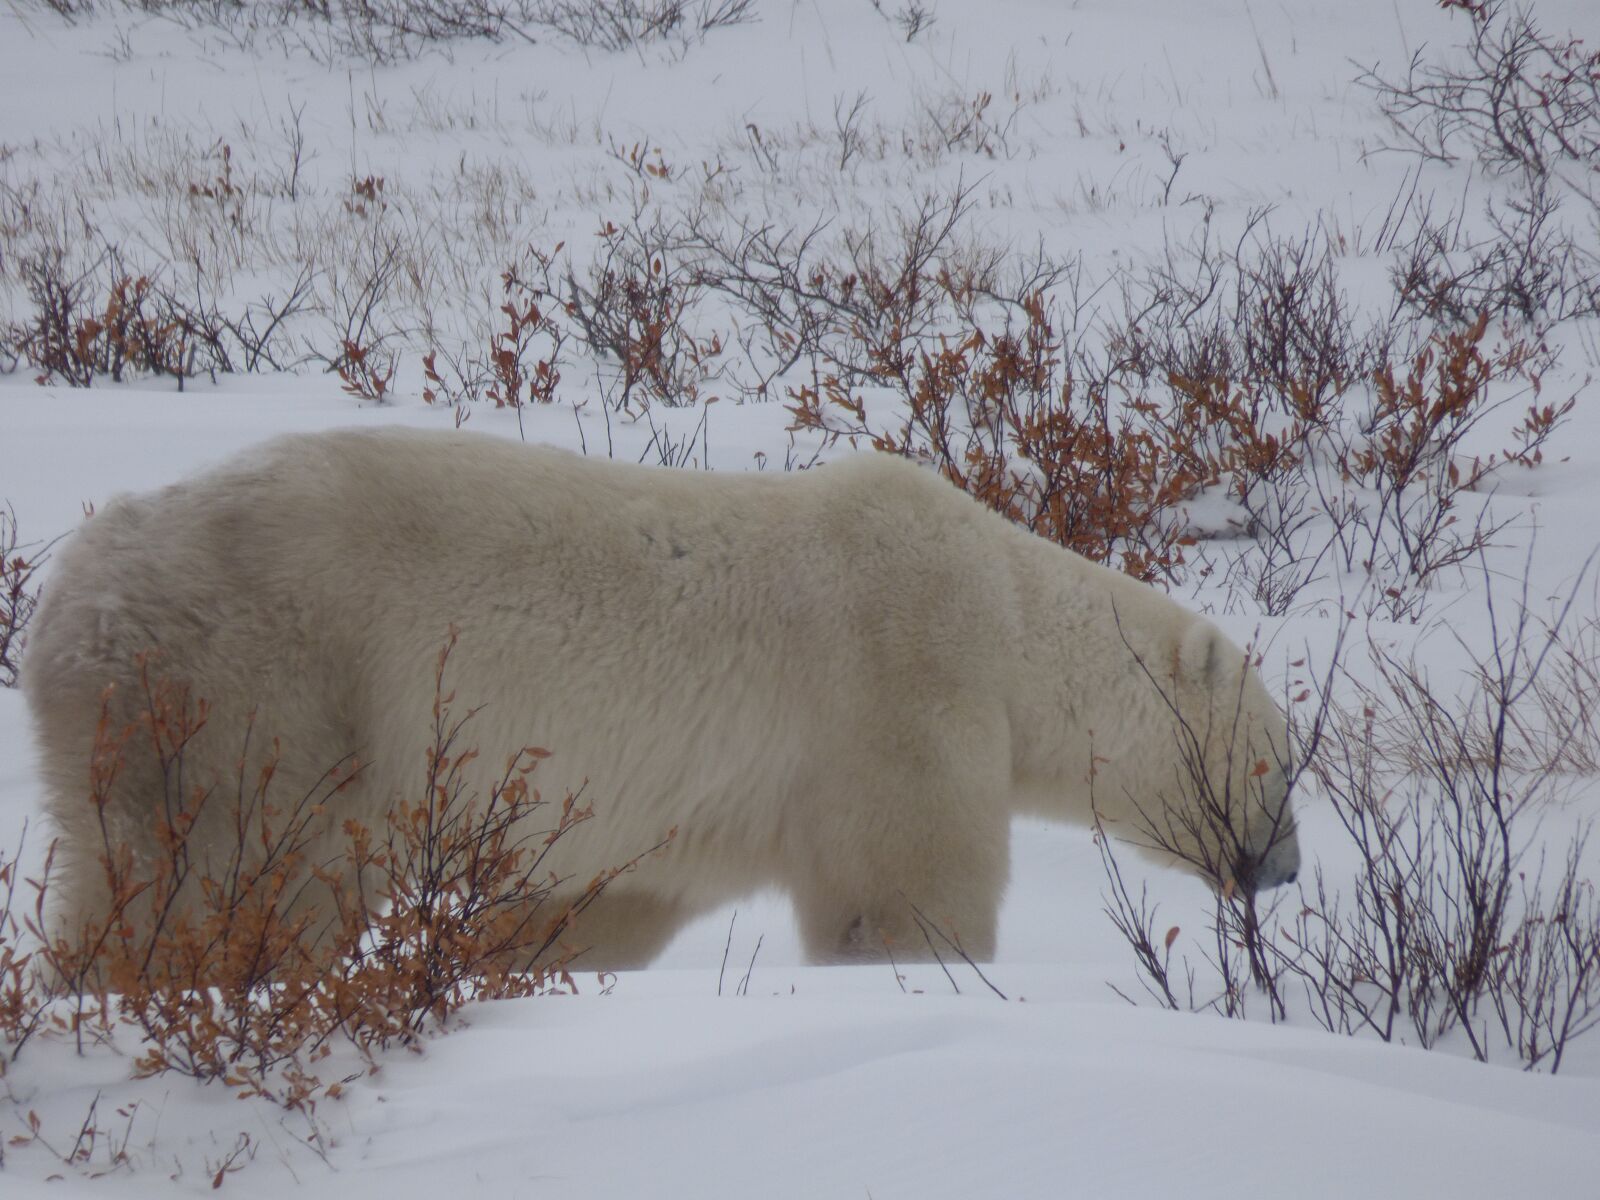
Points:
(1201, 654)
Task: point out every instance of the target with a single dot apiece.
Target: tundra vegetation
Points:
(1227, 415)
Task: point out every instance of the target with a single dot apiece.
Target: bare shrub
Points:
(777, 280)
(463, 906)
(146, 325)
(101, 1142)
(49, 338)
(1135, 919)
(19, 593)
(871, 295)
(1543, 983)
(366, 373)
(1367, 475)
(898, 279)
(1237, 963)
(912, 18)
(221, 338)
(1521, 101)
(1270, 313)
(998, 417)
(1557, 727)
(226, 340)
(73, 339)
(633, 310)
(1531, 264)
(1466, 923)
(21, 1009)
(956, 121)
(390, 30)
(240, 961)
(522, 374)
(521, 363)
(624, 24)
(1240, 374)
(205, 950)
(355, 303)
(1456, 926)
(1409, 454)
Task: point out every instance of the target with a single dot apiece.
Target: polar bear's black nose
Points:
(1280, 865)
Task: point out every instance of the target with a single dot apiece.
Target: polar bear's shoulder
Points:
(891, 481)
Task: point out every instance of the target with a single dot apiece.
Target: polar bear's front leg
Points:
(933, 864)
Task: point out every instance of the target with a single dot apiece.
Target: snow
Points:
(820, 1081)
(854, 1094)
(847, 1087)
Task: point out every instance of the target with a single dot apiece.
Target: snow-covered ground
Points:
(818, 1081)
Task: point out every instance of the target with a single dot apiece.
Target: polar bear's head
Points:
(1230, 815)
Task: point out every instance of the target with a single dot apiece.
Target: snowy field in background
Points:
(819, 1082)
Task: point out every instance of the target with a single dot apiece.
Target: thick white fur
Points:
(842, 683)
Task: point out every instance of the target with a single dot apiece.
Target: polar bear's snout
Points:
(1270, 855)
(1279, 865)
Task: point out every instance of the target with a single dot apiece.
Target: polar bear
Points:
(842, 682)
